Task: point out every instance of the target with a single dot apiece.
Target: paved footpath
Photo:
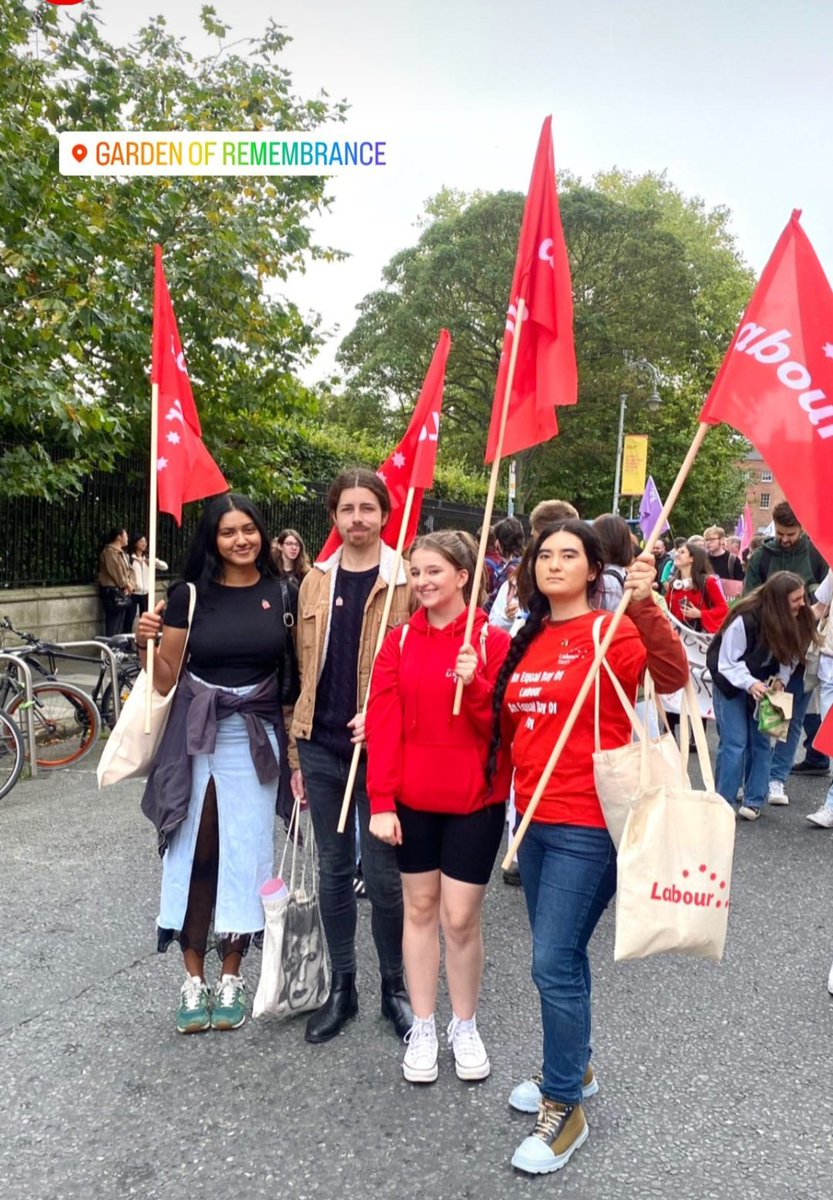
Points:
(716, 1081)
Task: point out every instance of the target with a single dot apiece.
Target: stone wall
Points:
(59, 614)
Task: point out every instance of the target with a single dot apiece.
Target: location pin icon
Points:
(79, 152)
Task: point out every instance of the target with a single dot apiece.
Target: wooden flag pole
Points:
(490, 498)
(693, 451)
(389, 594)
(154, 490)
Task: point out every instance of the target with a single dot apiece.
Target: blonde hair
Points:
(458, 548)
(547, 512)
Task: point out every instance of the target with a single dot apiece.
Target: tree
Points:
(77, 253)
(654, 277)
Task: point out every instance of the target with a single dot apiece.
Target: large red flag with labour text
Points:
(412, 463)
(776, 382)
(185, 470)
(545, 371)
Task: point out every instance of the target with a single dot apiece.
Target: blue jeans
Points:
(744, 754)
(325, 777)
(569, 878)
(784, 754)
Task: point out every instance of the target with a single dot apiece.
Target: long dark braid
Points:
(539, 611)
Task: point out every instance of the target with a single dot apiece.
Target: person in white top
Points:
(767, 634)
(140, 566)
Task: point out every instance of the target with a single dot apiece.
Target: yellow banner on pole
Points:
(634, 464)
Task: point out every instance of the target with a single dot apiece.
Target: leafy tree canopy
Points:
(656, 276)
(76, 254)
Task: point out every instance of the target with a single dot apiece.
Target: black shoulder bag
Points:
(289, 676)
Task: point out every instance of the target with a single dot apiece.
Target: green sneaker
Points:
(229, 1011)
(194, 1012)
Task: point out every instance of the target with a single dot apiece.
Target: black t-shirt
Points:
(237, 636)
(336, 696)
(726, 565)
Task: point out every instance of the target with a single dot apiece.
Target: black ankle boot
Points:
(396, 1006)
(341, 1004)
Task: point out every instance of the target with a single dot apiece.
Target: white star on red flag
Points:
(828, 349)
(399, 459)
(161, 463)
(173, 437)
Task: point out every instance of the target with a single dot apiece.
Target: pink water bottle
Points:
(273, 889)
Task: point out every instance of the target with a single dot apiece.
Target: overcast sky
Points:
(731, 97)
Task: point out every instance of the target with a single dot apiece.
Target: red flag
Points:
(185, 469)
(823, 741)
(777, 376)
(545, 371)
(412, 463)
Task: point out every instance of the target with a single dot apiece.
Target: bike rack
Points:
(114, 668)
(23, 667)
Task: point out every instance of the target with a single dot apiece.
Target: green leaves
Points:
(655, 276)
(76, 254)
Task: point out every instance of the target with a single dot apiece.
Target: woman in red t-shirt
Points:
(430, 796)
(694, 594)
(567, 859)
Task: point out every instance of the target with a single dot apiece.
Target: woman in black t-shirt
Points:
(218, 850)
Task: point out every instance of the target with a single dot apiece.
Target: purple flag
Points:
(650, 508)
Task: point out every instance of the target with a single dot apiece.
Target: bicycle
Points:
(123, 646)
(66, 719)
(12, 755)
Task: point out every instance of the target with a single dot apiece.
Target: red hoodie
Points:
(417, 752)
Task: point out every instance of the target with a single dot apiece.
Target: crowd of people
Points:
(431, 792)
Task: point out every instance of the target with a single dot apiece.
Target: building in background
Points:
(762, 490)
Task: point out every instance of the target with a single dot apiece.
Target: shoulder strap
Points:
(192, 604)
(402, 636)
(484, 633)
(286, 602)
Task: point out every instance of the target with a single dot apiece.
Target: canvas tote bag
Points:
(295, 971)
(675, 864)
(617, 771)
(129, 751)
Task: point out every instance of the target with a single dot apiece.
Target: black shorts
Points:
(462, 847)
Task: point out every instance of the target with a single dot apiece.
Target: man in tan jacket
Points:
(339, 616)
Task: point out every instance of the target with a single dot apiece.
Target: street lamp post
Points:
(620, 446)
(653, 404)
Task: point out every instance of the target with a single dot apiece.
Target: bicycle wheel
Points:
(67, 724)
(127, 677)
(11, 754)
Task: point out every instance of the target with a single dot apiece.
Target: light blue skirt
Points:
(246, 817)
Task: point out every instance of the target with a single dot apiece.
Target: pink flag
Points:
(744, 528)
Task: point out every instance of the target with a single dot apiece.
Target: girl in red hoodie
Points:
(430, 796)
(567, 859)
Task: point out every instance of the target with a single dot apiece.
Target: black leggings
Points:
(202, 893)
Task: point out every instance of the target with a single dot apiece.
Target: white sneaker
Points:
(830, 982)
(777, 795)
(420, 1062)
(470, 1058)
(823, 817)
(748, 814)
